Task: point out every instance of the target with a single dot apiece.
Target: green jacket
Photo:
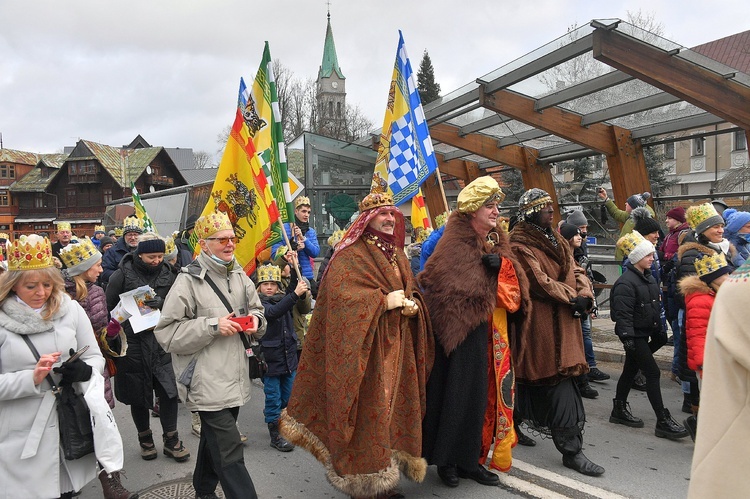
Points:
(625, 219)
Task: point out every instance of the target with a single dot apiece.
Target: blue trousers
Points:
(588, 345)
(677, 334)
(278, 389)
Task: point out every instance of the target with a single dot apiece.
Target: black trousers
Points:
(220, 457)
(167, 411)
(642, 358)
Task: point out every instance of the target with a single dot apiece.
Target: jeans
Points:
(588, 345)
(677, 334)
(278, 389)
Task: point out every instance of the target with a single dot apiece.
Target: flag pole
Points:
(288, 245)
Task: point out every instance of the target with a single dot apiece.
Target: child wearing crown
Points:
(279, 344)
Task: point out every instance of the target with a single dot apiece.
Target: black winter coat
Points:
(280, 341)
(145, 358)
(635, 305)
(111, 261)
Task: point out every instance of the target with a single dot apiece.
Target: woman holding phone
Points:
(35, 309)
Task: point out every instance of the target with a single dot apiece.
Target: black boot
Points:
(582, 464)
(277, 441)
(691, 425)
(523, 439)
(667, 427)
(448, 474)
(480, 474)
(687, 405)
(584, 387)
(621, 415)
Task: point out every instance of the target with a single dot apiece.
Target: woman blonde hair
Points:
(9, 279)
(82, 290)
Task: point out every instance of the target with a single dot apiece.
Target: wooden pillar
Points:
(627, 167)
(434, 196)
(536, 174)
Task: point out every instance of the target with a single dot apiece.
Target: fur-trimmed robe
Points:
(549, 346)
(355, 353)
(461, 295)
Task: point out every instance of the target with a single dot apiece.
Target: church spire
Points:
(330, 61)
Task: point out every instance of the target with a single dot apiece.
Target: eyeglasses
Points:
(224, 240)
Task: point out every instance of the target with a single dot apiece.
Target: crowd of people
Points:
(391, 359)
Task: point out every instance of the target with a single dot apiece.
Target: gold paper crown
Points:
(301, 200)
(5, 236)
(629, 242)
(100, 228)
(268, 273)
(30, 253)
(210, 224)
(375, 200)
(77, 253)
(698, 215)
(423, 234)
(708, 264)
(132, 224)
(169, 246)
(336, 238)
(441, 219)
(63, 225)
(118, 231)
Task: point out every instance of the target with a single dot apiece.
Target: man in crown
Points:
(98, 234)
(303, 239)
(64, 234)
(359, 395)
(132, 228)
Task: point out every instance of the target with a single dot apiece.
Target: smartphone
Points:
(77, 354)
(247, 322)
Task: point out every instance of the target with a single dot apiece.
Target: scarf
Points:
(146, 269)
(303, 226)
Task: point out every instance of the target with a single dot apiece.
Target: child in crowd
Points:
(700, 292)
(279, 344)
(636, 310)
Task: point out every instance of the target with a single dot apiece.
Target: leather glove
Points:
(113, 328)
(581, 305)
(156, 302)
(628, 344)
(492, 261)
(74, 371)
(395, 299)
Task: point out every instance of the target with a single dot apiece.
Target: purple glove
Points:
(113, 328)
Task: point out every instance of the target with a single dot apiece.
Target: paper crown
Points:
(63, 225)
(629, 242)
(375, 200)
(441, 219)
(533, 201)
(170, 249)
(118, 231)
(132, 224)
(79, 257)
(210, 224)
(335, 238)
(30, 253)
(702, 216)
(705, 265)
(4, 235)
(300, 201)
(100, 228)
(269, 273)
(423, 234)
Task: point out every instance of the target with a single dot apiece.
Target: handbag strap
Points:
(33, 349)
(243, 337)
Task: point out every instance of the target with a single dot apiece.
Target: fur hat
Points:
(577, 218)
(479, 192)
(644, 222)
(638, 200)
(735, 220)
(677, 213)
(710, 267)
(635, 246)
(702, 217)
(568, 231)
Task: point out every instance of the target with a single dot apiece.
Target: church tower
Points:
(331, 86)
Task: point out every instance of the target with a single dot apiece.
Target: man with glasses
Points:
(197, 327)
(64, 235)
(132, 228)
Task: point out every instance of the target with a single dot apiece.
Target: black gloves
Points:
(492, 261)
(156, 302)
(74, 371)
(628, 344)
(581, 305)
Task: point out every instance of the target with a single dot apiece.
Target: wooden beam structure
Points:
(479, 144)
(459, 168)
(627, 167)
(434, 196)
(699, 86)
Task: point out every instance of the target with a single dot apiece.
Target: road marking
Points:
(565, 481)
(529, 488)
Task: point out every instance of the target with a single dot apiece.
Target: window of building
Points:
(70, 198)
(330, 108)
(38, 227)
(44, 172)
(669, 150)
(684, 191)
(338, 110)
(107, 196)
(7, 171)
(39, 200)
(699, 146)
(4, 198)
(740, 141)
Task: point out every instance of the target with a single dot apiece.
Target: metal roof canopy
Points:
(599, 89)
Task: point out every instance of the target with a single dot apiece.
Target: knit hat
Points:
(105, 241)
(112, 233)
(190, 222)
(568, 230)
(577, 218)
(644, 222)
(479, 192)
(151, 246)
(132, 224)
(702, 217)
(638, 200)
(532, 201)
(709, 267)
(677, 213)
(720, 206)
(635, 246)
(79, 257)
(735, 220)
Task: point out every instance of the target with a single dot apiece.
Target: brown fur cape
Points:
(459, 291)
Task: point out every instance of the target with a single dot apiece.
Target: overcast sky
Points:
(169, 69)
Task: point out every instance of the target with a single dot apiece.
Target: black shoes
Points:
(448, 474)
(524, 439)
(480, 474)
(621, 415)
(581, 464)
(691, 425)
(687, 407)
(667, 427)
(639, 383)
(277, 441)
(670, 341)
(596, 375)
(587, 392)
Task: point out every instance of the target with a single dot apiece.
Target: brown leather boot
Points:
(173, 447)
(112, 487)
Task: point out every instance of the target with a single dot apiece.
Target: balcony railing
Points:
(89, 178)
(159, 180)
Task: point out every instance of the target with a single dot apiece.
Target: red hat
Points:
(677, 213)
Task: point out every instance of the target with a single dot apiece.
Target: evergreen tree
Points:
(429, 90)
(657, 171)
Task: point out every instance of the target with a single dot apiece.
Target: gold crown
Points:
(63, 226)
(336, 237)
(698, 216)
(423, 234)
(375, 200)
(5, 236)
(708, 264)
(118, 231)
(210, 224)
(301, 200)
(629, 242)
(30, 253)
(441, 219)
(269, 272)
(132, 224)
(100, 228)
(77, 253)
(169, 246)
